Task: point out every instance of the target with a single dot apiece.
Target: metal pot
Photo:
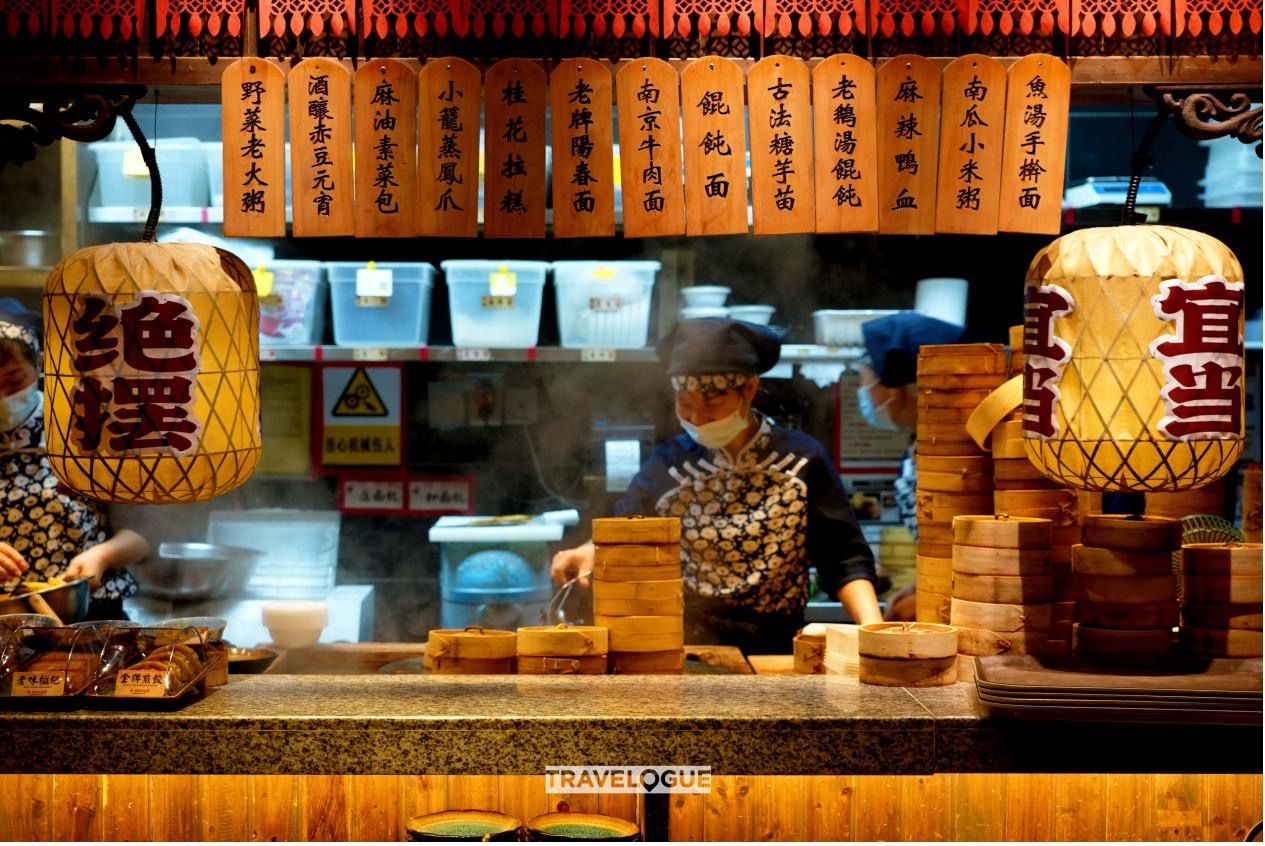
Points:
(69, 601)
(196, 571)
(27, 248)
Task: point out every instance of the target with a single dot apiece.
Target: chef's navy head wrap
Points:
(714, 353)
(16, 324)
(892, 343)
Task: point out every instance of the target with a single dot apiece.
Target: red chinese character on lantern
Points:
(96, 344)
(1203, 402)
(1207, 313)
(158, 334)
(1040, 395)
(1046, 353)
(91, 412)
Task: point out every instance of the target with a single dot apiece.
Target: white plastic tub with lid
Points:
(604, 303)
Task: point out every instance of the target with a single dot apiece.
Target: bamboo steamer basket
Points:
(555, 665)
(971, 465)
(636, 530)
(472, 642)
(1099, 561)
(1060, 648)
(966, 669)
(945, 507)
(1016, 359)
(986, 382)
(898, 672)
(944, 398)
(933, 418)
(1024, 484)
(1222, 559)
(1092, 640)
(994, 561)
(956, 442)
(1118, 615)
(935, 550)
(1019, 590)
(1252, 511)
(444, 666)
(643, 634)
(639, 555)
(636, 573)
(1015, 470)
(625, 599)
(1018, 502)
(1229, 643)
(809, 654)
(955, 482)
(1222, 615)
(1001, 531)
(562, 640)
(1000, 617)
(668, 662)
(1010, 449)
(1065, 536)
(935, 575)
(1197, 587)
(931, 607)
(982, 642)
(1133, 532)
(938, 533)
(962, 359)
(1062, 610)
(907, 640)
(1126, 590)
(1064, 581)
(1210, 499)
(1060, 518)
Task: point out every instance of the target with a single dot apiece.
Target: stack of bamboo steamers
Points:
(1221, 599)
(638, 594)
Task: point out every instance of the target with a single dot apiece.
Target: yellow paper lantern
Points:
(151, 372)
(1133, 342)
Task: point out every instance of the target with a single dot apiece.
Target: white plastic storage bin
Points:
(604, 304)
(364, 317)
(181, 161)
(495, 304)
(292, 311)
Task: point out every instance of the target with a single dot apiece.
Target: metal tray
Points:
(1178, 676)
(1120, 715)
(1123, 702)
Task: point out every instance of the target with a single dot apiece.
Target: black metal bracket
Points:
(39, 115)
(1212, 111)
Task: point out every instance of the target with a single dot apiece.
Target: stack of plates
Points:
(1219, 691)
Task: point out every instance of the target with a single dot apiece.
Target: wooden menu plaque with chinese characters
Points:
(581, 101)
(320, 152)
(252, 99)
(648, 96)
(448, 148)
(1034, 148)
(908, 95)
(386, 149)
(715, 142)
(778, 99)
(845, 146)
(514, 103)
(972, 120)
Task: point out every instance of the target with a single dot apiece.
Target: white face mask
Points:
(17, 407)
(878, 416)
(717, 433)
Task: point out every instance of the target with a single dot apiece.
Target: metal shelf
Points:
(169, 214)
(791, 354)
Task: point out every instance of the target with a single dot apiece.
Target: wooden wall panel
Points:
(275, 808)
(1232, 805)
(326, 807)
(77, 800)
(1080, 811)
(778, 809)
(925, 814)
(729, 809)
(876, 804)
(1129, 821)
(829, 802)
(125, 812)
(375, 808)
(979, 803)
(224, 801)
(1029, 811)
(24, 807)
(173, 802)
(1178, 807)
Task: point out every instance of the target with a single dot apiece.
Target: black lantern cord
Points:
(155, 179)
(1141, 161)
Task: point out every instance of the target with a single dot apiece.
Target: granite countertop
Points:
(486, 724)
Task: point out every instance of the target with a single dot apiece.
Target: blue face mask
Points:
(16, 408)
(877, 416)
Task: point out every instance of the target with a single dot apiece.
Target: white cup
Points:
(295, 623)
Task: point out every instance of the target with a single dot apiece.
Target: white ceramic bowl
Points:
(695, 312)
(760, 314)
(295, 623)
(842, 327)
(705, 295)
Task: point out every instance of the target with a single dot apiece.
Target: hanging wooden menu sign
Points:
(781, 146)
(715, 144)
(908, 94)
(448, 148)
(581, 102)
(844, 145)
(386, 149)
(648, 95)
(252, 100)
(514, 165)
(320, 149)
(1034, 148)
(972, 120)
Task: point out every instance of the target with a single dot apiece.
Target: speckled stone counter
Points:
(515, 724)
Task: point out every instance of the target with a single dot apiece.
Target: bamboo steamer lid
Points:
(1131, 532)
(562, 640)
(623, 599)
(643, 633)
(982, 642)
(639, 555)
(942, 398)
(1118, 615)
(1127, 590)
(995, 561)
(472, 642)
(1008, 448)
(1197, 587)
(1015, 469)
(1230, 643)
(945, 507)
(1092, 640)
(1002, 531)
(935, 550)
(1000, 617)
(636, 573)
(940, 444)
(809, 654)
(931, 607)
(1100, 561)
(553, 665)
(669, 661)
(1020, 590)
(1222, 615)
(1010, 429)
(1222, 559)
(907, 640)
(970, 465)
(935, 532)
(932, 480)
(638, 530)
(1060, 518)
(985, 382)
(912, 672)
(444, 666)
(958, 359)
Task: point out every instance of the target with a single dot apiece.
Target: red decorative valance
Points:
(278, 16)
(422, 16)
(23, 17)
(86, 18)
(1217, 15)
(1025, 17)
(808, 17)
(496, 16)
(910, 16)
(616, 17)
(211, 15)
(685, 18)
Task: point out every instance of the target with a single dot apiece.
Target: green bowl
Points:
(588, 827)
(463, 825)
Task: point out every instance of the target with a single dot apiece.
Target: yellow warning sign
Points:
(360, 398)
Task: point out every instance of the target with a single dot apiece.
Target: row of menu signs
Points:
(975, 148)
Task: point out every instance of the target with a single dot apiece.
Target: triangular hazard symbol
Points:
(360, 398)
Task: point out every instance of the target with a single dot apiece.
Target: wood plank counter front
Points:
(737, 725)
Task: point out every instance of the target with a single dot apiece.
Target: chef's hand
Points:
(570, 563)
(88, 564)
(12, 564)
